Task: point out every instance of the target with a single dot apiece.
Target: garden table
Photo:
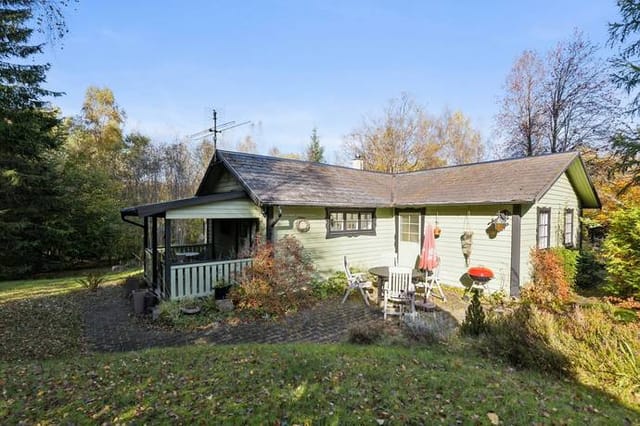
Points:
(382, 272)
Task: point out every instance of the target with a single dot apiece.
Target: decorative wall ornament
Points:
(302, 225)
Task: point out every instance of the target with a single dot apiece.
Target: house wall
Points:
(230, 209)
(494, 253)
(559, 197)
(363, 251)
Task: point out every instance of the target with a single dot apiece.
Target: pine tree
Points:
(315, 151)
(31, 227)
(474, 323)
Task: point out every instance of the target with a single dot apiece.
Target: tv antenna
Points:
(216, 129)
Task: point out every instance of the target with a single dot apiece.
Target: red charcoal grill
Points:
(480, 276)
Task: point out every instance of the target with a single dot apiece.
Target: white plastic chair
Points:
(398, 290)
(432, 282)
(355, 281)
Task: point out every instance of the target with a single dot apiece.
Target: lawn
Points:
(42, 319)
(257, 384)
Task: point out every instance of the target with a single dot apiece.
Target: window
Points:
(568, 227)
(350, 222)
(544, 228)
(410, 227)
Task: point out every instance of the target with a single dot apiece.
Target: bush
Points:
(621, 251)
(279, 280)
(170, 314)
(569, 259)
(429, 330)
(366, 333)
(92, 281)
(335, 285)
(586, 343)
(522, 337)
(474, 322)
(591, 271)
(551, 287)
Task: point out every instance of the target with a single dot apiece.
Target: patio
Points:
(111, 327)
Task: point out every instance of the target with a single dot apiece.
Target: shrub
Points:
(522, 338)
(279, 280)
(569, 259)
(474, 322)
(92, 281)
(429, 330)
(365, 333)
(550, 288)
(586, 343)
(170, 314)
(335, 285)
(591, 271)
(622, 253)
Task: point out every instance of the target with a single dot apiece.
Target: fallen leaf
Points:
(493, 418)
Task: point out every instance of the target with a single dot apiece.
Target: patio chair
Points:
(432, 282)
(355, 281)
(398, 291)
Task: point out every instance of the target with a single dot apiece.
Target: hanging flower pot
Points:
(500, 226)
(437, 231)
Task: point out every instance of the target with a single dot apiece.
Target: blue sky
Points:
(291, 65)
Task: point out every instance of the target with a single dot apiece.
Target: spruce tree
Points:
(315, 151)
(31, 205)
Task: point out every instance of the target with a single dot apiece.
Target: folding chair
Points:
(433, 282)
(398, 290)
(355, 281)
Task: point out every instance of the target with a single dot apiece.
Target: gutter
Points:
(123, 216)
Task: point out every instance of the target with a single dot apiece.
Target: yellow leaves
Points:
(493, 418)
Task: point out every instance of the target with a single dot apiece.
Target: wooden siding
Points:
(559, 197)
(363, 251)
(494, 253)
(225, 183)
(230, 209)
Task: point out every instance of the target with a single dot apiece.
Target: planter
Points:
(221, 292)
(436, 232)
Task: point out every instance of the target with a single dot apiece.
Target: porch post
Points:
(167, 255)
(154, 251)
(145, 244)
(514, 284)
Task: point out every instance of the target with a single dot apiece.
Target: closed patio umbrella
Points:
(428, 255)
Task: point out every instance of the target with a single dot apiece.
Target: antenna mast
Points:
(217, 129)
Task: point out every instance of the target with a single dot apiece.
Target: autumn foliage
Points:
(552, 284)
(278, 282)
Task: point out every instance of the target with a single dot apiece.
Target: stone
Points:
(225, 305)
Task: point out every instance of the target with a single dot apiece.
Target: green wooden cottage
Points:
(368, 216)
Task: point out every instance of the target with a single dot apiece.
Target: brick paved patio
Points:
(110, 325)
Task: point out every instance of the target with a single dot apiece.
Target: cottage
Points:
(496, 210)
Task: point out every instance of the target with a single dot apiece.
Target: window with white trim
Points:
(350, 222)
(568, 227)
(544, 228)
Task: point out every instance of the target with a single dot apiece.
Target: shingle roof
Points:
(284, 181)
(495, 182)
(272, 180)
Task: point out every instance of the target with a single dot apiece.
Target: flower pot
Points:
(221, 292)
(437, 231)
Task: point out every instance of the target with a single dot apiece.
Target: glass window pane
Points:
(337, 221)
(352, 222)
(366, 221)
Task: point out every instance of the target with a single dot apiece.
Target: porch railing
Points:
(201, 279)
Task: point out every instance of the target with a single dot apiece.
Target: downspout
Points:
(271, 222)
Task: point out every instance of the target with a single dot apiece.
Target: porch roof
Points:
(160, 209)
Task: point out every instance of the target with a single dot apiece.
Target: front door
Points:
(408, 238)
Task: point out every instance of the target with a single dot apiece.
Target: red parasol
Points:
(428, 255)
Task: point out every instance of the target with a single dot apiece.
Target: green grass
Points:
(299, 384)
(21, 289)
(47, 377)
(41, 319)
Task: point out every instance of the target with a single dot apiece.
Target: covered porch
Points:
(195, 246)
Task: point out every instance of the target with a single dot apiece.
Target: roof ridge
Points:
(314, 163)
